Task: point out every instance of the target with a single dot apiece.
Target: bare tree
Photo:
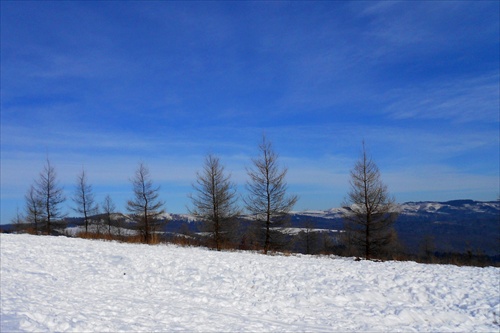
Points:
(267, 199)
(84, 199)
(18, 221)
(370, 211)
(145, 206)
(308, 238)
(108, 208)
(51, 195)
(34, 208)
(427, 247)
(214, 201)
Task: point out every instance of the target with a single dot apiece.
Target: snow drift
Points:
(67, 284)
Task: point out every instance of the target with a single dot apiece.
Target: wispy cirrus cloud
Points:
(398, 28)
(168, 82)
(461, 100)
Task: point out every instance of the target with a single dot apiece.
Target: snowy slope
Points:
(65, 284)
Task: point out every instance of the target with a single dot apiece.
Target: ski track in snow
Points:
(61, 284)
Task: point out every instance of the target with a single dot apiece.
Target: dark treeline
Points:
(307, 240)
(368, 230)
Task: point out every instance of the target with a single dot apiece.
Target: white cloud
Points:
(462, 100)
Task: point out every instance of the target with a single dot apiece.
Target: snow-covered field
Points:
(66, 284)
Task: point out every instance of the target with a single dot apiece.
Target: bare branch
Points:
(51, 195)
(371, 210)
(215, 200)
(267, 199)
(84, 199)
(145, 206)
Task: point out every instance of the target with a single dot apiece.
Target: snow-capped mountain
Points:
(454, 226)
(451, 207)
(422, 207)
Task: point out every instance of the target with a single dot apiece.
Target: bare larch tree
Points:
(370, 210)
(34, 208)
(145, 206)
(267, 199)
(215, 201)
(18, 221)
(308, 239)
(108, 208)
(84, 199)
(51, 195)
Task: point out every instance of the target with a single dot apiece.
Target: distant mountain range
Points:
(453, 226)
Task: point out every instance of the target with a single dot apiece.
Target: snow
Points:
(296, 231)
(333, 213)
(59, 284)
(186, 217)
(99, 229)
(412, 209)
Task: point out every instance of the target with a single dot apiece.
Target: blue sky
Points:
(106, 85)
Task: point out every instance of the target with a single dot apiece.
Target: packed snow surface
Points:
(68, 284)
